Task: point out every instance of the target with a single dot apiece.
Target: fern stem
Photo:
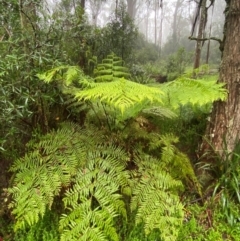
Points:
(107, 117)
(91, 106)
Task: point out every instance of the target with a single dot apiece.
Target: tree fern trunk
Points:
(224, 125)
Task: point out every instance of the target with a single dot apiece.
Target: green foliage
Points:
(92, 173)
(104, 179)
(46, 229)
(172, 159)
(176, 63)
(122, 95)
(119, 36)
(137, 234)
(145, 51)
(155, 196)
(93, 201)
(199, 92)
(111, 69)
(207, 223)
(42, 173)
(226, 187)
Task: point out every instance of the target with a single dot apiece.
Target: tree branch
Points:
(205, 39)
(220, 41)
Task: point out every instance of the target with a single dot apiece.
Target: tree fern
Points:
(111, 69)
(119, 93)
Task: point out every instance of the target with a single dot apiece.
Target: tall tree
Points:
(200, 35)
(131, 8)
(224, 126)
(82, 4)
(175, 20)
(95, 6)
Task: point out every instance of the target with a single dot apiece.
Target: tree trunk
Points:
(160, 32)
(28, 21)
(175, 21)
(155, 22)
(95, 6)
(82, 3)
(224, 125)
(202, 24)
(131, 8)
(147, 22)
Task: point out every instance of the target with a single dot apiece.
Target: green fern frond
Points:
(121, 69)
(185, 90)
(105, 78)
(174, 161)
(94, 200)
(160, 111)
(156, 201)
(49, 166)
(122, 94)
(65, 74)
(111, 69)
(90, 172)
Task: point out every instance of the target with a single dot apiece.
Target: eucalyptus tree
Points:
(223, 130)
(95, 6)
(178, 6)
(132, 8)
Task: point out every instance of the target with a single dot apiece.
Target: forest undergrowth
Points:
(101, 132)
(128, 171)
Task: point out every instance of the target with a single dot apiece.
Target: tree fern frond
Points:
(185, 90)
(111, 87)
(160, 111)
(121, 94)
(111, 69)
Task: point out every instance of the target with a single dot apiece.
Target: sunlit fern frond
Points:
(160, 111)
(64, 74)
(122, 94)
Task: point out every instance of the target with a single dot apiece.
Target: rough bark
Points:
(224, 125)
